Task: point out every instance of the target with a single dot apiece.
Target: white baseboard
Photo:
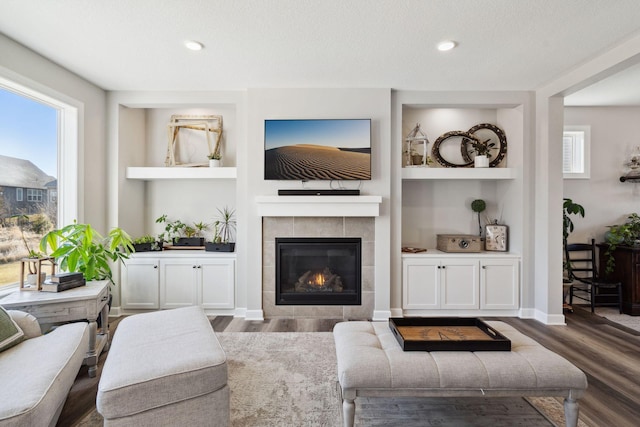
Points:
(381, 315)
(254, 315)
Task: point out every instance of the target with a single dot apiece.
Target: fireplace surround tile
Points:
(363, 227)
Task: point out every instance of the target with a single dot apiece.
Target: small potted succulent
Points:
(482, 152)
(224, 229)
(215, 160)
(147, 243)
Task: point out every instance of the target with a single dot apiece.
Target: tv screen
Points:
(320, 149)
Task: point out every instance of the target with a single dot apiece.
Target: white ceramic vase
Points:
(481, 162)
(214, 163)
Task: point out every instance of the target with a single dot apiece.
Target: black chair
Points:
(583, 273)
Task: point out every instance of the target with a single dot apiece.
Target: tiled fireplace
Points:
(333, 229)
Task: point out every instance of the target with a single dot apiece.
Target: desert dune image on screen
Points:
(317, 149)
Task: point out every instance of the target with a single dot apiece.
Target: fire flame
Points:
(317, 279)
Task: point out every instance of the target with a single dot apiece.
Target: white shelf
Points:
(154, 173)
(416, 173)
(330, 206)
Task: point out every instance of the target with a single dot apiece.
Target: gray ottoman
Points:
(372, 363)
(165, 368)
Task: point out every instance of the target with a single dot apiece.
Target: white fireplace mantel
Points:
(321, 206)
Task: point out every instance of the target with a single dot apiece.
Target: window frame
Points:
(585, 131)
(19, 194)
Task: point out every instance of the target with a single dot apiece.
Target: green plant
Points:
(79, 247)
(147, 238)
(215, 156)
(172, 229)
(224, 226)
(479, 148)
(478, 206)
(621, 234)
(569, 208)
(200, 227)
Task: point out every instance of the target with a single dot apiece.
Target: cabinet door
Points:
(420, 283)
(459, 283)
(499, 284)
(218, 282)
(140, 289)
(178, 283)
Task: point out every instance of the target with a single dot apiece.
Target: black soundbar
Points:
(305, 192)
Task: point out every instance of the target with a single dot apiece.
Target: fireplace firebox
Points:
(318, 271)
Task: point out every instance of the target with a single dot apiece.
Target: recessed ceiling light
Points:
(193, 45)
(446, 45)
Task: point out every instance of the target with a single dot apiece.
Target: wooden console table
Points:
(626, 271)
(82, 303)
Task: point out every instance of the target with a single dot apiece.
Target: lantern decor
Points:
(415, 148)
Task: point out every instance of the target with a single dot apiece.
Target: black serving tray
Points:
(447, 334)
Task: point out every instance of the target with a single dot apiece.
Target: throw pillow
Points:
(27, 322)
(10, 332)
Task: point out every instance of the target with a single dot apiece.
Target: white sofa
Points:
(37, 374)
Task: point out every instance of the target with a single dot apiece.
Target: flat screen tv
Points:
(318, 149)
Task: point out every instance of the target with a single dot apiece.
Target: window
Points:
(576, 149)
(34, 195)
(38, 135)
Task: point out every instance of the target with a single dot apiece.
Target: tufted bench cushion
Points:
(372, 363)
(165, 368)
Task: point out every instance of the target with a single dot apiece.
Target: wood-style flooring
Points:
(608, 353)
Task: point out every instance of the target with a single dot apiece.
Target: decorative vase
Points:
(214, 163)
(481, 162)
(32, 279)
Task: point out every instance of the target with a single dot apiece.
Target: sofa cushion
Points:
(27, 322)
(37, 374)
(160, 358)
(10, 332)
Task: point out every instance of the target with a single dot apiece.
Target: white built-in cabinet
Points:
(464, 282)
(169, 280)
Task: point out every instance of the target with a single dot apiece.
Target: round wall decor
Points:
(487, 134)
(452, 137)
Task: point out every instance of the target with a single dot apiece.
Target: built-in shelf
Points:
(320, 206)
(154, 173)
(457, 173)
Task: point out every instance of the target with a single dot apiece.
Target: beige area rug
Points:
(613, 314)
(289, 379)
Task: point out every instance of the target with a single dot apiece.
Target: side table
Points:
(82, 303)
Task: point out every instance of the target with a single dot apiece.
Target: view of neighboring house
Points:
(25, 188)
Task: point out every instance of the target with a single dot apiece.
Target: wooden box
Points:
(447, 334)
(458, 243)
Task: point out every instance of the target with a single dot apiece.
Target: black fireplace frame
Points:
(320, 298)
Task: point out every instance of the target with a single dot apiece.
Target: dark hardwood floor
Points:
(608, 353)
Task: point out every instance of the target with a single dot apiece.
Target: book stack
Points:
(63, 281)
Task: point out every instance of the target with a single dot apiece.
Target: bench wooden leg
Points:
(348, 408)
(571, 412)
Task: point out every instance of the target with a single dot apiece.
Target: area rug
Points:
(613, 314)
(288, 379)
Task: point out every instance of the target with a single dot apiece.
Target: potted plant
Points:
(478, 206)
(224, 227)
(146, 243)
(181, 234)
(215, 160)
(32, 266)
(569, 207)
(80, 248)
(482, 152)
(627, 234)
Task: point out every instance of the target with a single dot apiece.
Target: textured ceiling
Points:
(138, 44)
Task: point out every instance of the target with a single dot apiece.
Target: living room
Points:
(122, 124)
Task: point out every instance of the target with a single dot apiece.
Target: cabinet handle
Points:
(484, 267)
(199, 266)
(155, 266)
(193, 266)
(444, 266)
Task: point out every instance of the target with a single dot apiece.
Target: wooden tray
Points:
(447, 334)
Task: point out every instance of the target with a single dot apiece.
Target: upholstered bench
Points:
(372, 363)
(165, 368)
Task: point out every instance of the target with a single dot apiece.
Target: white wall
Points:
(317, 103)
(606, 200)
(29, 69)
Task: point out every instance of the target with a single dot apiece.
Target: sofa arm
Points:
(27, 322)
